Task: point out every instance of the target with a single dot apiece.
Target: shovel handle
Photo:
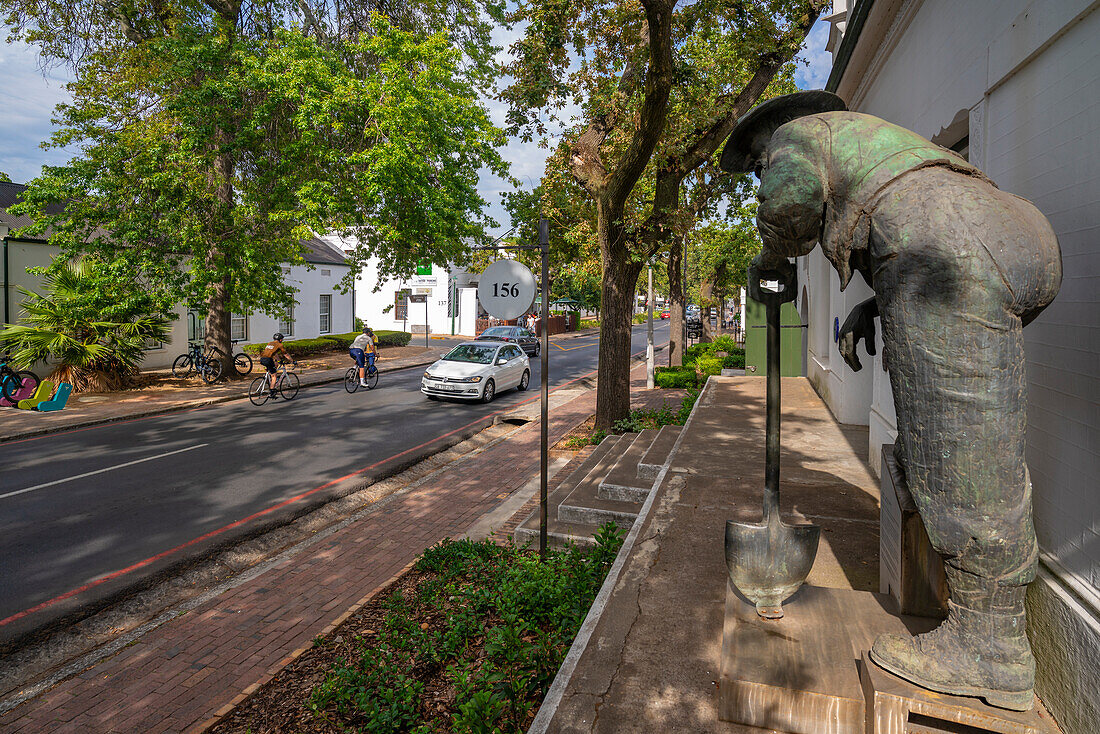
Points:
(771, 456)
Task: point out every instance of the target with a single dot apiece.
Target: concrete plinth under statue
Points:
(807, 673)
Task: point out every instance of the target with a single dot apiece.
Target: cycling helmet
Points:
(277, 336)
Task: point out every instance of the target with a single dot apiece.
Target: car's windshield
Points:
(475, 353)
(497, 331)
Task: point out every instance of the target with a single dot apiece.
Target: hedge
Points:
(334, 342)
(709, 365)
(384, 338)
(675, 377)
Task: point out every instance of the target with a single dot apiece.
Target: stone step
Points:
(584, 505)
(659, 452)
(560, 533)
(622, 482)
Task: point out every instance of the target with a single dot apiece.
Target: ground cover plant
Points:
(469, 641)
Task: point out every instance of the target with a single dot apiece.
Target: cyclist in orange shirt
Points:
(274, 349)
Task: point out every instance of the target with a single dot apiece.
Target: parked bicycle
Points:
(351, 378)
(11, 381)
(198, 359)
(286, 386)
(197, 356)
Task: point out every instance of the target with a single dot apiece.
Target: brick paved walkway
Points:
(178, 676)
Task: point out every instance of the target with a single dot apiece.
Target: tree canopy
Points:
(216, 135)
(659, 89)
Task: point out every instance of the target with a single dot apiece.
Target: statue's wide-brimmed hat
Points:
(755, 128)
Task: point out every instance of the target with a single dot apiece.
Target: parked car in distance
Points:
(666, 314)
(521, 335)
(477, 370)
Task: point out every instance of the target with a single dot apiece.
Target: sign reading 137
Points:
(507, 289)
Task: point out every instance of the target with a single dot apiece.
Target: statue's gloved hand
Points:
(860, 324)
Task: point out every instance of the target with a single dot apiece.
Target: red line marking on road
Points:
(164, 554)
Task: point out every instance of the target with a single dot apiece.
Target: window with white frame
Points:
(286, 324)
(238, 327)
(325, 325)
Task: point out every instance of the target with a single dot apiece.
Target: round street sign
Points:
(507, 289)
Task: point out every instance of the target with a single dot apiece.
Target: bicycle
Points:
(12, 381)
(200, 360)
(351, 378)
(286, 385)
(242, 363)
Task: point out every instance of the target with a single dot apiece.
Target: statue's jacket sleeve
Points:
(837, 165)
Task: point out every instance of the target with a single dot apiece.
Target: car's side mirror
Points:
(502, 360)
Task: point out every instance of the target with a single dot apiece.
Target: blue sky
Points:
(27, 98)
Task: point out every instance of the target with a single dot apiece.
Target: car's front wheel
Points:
(538, 348)
(489, 393)
(524, 381)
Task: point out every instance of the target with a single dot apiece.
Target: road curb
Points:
(180, 407)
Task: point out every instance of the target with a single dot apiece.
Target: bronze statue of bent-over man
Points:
(958, 268)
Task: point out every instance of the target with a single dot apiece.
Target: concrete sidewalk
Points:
(179, 674)
(653, 652)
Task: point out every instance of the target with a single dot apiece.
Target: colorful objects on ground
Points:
(44, 391)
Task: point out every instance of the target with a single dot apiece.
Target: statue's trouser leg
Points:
(956, 359)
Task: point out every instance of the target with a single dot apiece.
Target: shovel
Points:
(768, 561)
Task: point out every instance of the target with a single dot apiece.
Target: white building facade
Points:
(320, 307)
(1015, 87)
(450, 304)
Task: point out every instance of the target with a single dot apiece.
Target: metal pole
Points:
(771, 458)
(544, 246)
(649, 335)
(453, 301)
(425, 321)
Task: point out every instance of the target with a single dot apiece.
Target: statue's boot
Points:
(981, 649)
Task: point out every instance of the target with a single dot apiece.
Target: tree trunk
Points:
(677, 330)
(613, 393)
(218, 332)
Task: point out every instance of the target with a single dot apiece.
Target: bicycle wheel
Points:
(182, 367)
(351, 379)
(211, 370)
(257, 391)
(372, 379)
(12, 381)
(288, 386)
(242, 363)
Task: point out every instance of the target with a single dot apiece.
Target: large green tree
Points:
(216, 134)
(659, 88)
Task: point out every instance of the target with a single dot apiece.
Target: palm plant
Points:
(95, 338)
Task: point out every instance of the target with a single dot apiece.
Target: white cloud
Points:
(28, 99)
(815, 62)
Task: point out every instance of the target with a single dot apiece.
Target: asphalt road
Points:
(87, 513)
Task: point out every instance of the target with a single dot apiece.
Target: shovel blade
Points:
(768, 561)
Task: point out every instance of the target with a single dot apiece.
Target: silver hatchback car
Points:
(477, 371)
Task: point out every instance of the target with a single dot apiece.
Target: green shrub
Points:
(641, 318)
(387, 338)
(709, 365)
(675, 377)
(589, 324)
(592, 439)
(505, 621)
(342, 341)
(298, 347)
(735, 361)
